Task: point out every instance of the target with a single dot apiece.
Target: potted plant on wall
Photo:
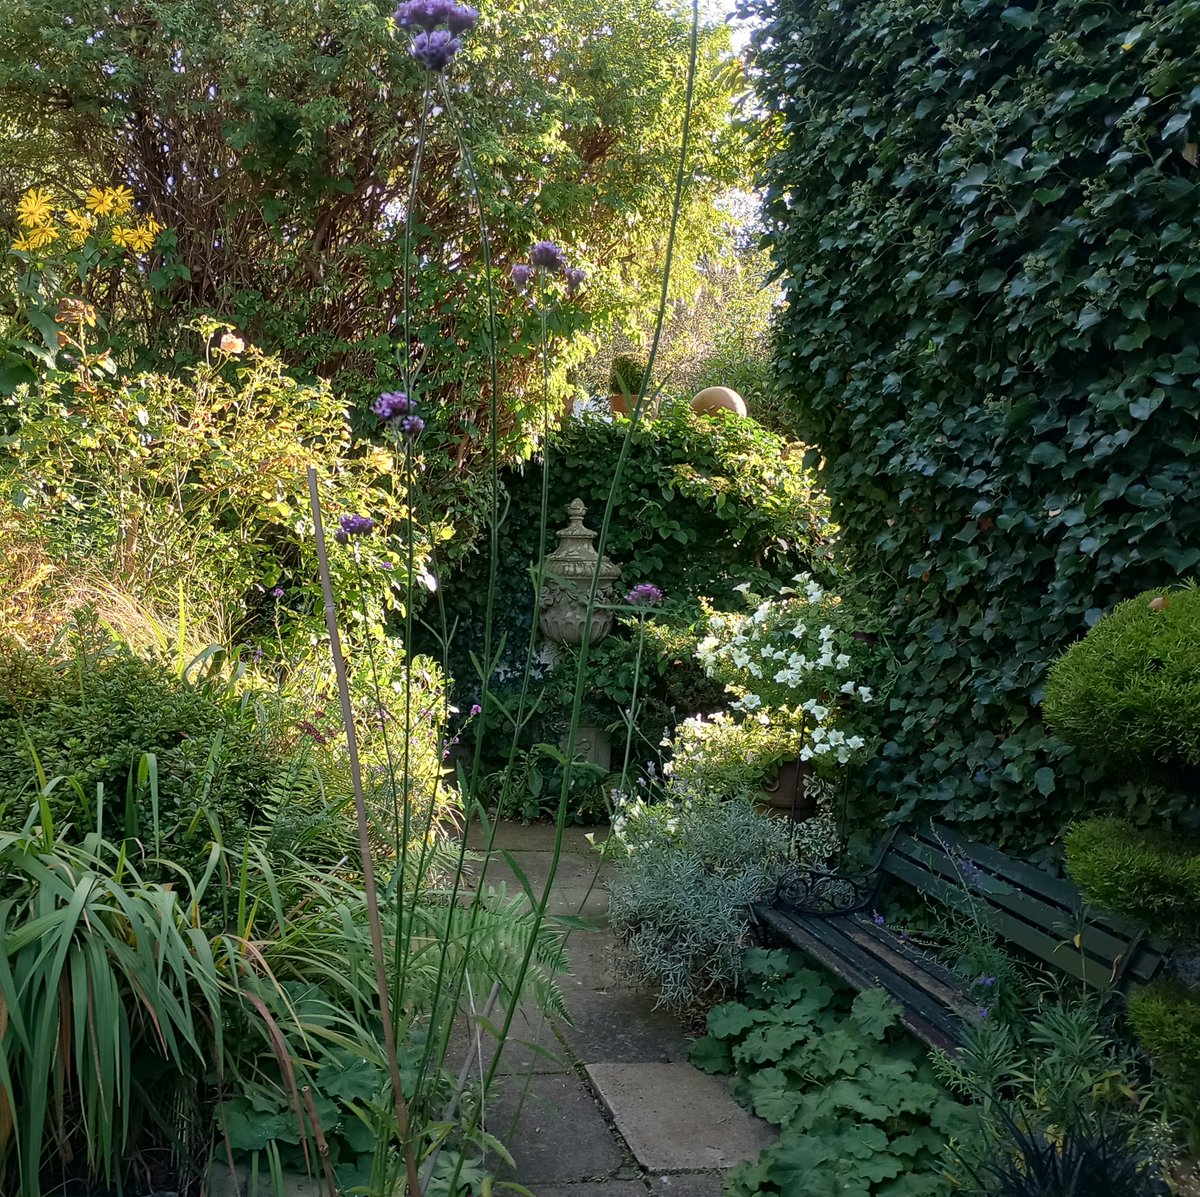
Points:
(793, 663)
(625, 384)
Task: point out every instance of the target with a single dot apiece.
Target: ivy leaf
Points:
(1045, 781)
(1022, 18)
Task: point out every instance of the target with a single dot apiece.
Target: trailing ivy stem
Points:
(370, 888)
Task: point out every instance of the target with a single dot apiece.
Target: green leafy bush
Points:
(1128, 693)
(1056, 1072)
(1165, 1016)
(703, 506)
(198, 481)
(1152, 876)
(982, 215)
(687, 869)
(859, 1108)
(153, 756)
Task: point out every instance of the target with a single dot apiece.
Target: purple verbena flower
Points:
(982, 1012)
(644, 595)
(413, 426)
(391, 405)
(422, 14)
(521, 276)
(476, 709)
(576, 276)
(972, 874)
(434, 50)
(986, 982)
(277, 592)
(545, 255)
(461, 18)
(879, 920)
(353, 525)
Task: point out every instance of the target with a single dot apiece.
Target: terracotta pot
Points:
(788, 794)
(621, 406)
(713, 399)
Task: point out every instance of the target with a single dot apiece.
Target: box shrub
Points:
(93, 709)
(1151, 876)
(1128, 693)
(1166, 1019)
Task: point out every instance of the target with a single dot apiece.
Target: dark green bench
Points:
(833, 917)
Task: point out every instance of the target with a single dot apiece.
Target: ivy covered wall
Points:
(986, 218)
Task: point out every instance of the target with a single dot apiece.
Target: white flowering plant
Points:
(731, 755)
(795, 658)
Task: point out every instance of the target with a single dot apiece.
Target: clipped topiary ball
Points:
(1152, 876)
(1128, 693)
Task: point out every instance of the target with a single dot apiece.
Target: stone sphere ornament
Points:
(713, 399)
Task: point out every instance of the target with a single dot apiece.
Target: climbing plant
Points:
(984, 217)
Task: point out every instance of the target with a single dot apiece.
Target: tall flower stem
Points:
(633, 697)
(364, 838)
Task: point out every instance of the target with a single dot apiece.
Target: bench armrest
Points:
(818, 894)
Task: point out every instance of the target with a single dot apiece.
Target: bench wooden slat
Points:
(1095, 942)
(823, 942)
(1063, 955)
(1116, 945)
(1146, 958)
(1040, 913)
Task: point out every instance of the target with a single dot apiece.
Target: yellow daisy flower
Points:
(99, 200)
(141, 239)
(40, 238)
(34, 210)
(122, 236)
(122, 199)
(80, 226)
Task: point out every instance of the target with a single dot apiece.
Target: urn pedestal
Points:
(570, 572)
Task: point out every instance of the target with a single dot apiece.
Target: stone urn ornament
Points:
(569, 571)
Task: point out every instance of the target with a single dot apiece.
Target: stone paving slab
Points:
(554, 1129)
(594, 955)
(531, 1047)
(597, 1188)
(688, 1184)
(676, 1118)
(537, 837)
(620, 1026)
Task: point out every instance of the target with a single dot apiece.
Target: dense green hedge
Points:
(985, 219)
(703, 505)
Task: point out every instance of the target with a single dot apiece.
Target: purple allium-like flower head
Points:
(353, 525)
(576, 276)
(391, 405)
(521, 276)
(277, 592)
(545, 255)
(434, 50)
(413, 426)
(422, 14)
(461, 18)
(476, 709)
(879, 920)
(644, 595)
(983, 1012)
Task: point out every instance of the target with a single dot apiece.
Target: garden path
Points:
(607, 1105)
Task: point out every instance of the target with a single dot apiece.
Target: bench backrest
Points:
(1044, 915)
